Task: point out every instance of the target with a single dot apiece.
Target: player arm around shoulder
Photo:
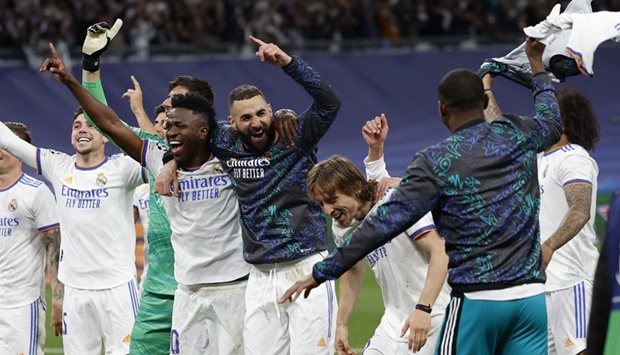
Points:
(51, 241)
(350, 286)
(419, 322)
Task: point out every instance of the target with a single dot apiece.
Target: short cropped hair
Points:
(339, 174)
(198, 105)
(20, 130)
(578, 118)
(461, 89)
(195, 85)
(159, 109)
(78, 111)
(243, 92)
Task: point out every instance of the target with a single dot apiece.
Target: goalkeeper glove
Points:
(97, 39)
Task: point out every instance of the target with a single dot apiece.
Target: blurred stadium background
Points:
(383, 56)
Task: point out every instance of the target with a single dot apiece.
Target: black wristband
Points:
(90, 63)
(167, 157)
(424, 308)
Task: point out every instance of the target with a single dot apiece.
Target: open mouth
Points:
(257, 135)
(175, 147)
(338, 217)
(83, 140)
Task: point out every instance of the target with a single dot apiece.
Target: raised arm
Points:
(18, 147)
(375, 133)
(134, 96)
(103, 116)
(492, 111)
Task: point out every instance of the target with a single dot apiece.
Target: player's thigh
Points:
(382, 344)
(225, 319)
(81, 333)
(117, 309)
(22, 329)
(266, 322)
(528, 331)
(151, 330)
(568, 314)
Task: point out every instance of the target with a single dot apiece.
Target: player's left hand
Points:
(375, 131)
(420, 324)
(134, 96)
(56, 66)
(271, 53)
(57, 317)
(286, 122)
(306, 284)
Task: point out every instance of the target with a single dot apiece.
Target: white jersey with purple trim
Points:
(27, 207)
(204, 219)
(399, 267)
(576, 260)
(98, 244)
(141, 204)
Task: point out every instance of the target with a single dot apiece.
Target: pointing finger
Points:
(135, 82)
(257, 41)
(53, 50)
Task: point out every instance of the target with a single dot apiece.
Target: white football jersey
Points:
(399, 267)
(95, 206)
(141, 204)
(576, 260)
(26, 208)
(204, 219)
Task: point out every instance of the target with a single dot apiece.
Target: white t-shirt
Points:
(95, 207)
(204, 219)
(399, 267)
(576, 260)
(26, 208)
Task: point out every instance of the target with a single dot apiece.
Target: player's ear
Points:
(232, 122)
(204, 133)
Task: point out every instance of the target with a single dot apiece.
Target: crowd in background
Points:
(170, 24)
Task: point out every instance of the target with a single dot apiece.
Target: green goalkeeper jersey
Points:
(160, 278)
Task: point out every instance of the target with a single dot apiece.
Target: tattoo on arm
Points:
(579, 198)
(51, 240)
(492, 111)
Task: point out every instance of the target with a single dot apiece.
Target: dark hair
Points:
(78, 111)
(159, 109)
(198, 105)
(339, 174)
(243, 92)
(461, 89)
(195, 85)
(578, 118)
(20, 130)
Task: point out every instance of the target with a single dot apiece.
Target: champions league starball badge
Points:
(101, 180)
(13, 205)
(217, 168)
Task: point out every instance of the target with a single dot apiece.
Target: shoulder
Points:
(28, 180)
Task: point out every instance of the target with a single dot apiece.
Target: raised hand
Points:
(534, 51)
(375, 131)
(98, 37)
(134, 96)
(56, 66)
(271, 53)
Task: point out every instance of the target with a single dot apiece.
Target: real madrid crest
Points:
(13, 205)
(217, 168)
(101, 180)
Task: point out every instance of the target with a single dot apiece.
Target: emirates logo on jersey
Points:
(101, 180)
(13, 205)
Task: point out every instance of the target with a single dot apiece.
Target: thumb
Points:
(115, 28)
(405, 329)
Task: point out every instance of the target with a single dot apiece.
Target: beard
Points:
(262, 145)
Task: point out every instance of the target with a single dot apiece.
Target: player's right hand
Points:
(375, 131)
(135, 97)
(342, 341)
(56, 66)
(57, 317)
(167, 183)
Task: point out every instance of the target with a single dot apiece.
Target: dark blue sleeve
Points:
(546, 129)
(416, 195)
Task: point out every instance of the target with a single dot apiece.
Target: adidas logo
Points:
(127, 338)
(568, 342)
(68, 179)
(321, 342)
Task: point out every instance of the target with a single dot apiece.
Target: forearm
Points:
(435, 278)
(143, 120)
(51, 240)
(547, 108)
(375, 152)
(17, 146)
(325, 97)
(95, 107)
(492, 112)
(350, 286)
(579, 199)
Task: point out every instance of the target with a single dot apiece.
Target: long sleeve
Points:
(17, 146)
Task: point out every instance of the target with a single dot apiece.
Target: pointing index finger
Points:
(135, 82)
(53, 50)
(257, 41)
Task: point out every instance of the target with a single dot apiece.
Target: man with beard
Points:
(284, 232)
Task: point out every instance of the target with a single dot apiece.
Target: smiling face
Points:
(84, 138)
(186, 135)
(342, 208)
(252, 119)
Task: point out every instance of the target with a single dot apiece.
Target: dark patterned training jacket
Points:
(279, 221)
(481, 184)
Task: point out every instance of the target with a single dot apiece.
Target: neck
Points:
(463, 117)
(202, 156)
(91, 159)
(562, 142)
(366, 207)
(8, 178)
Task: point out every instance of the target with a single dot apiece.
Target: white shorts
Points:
(306, 326)
(99, 321)
(22, 329)
(568, 312)
(208, 319)
(382, 343)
